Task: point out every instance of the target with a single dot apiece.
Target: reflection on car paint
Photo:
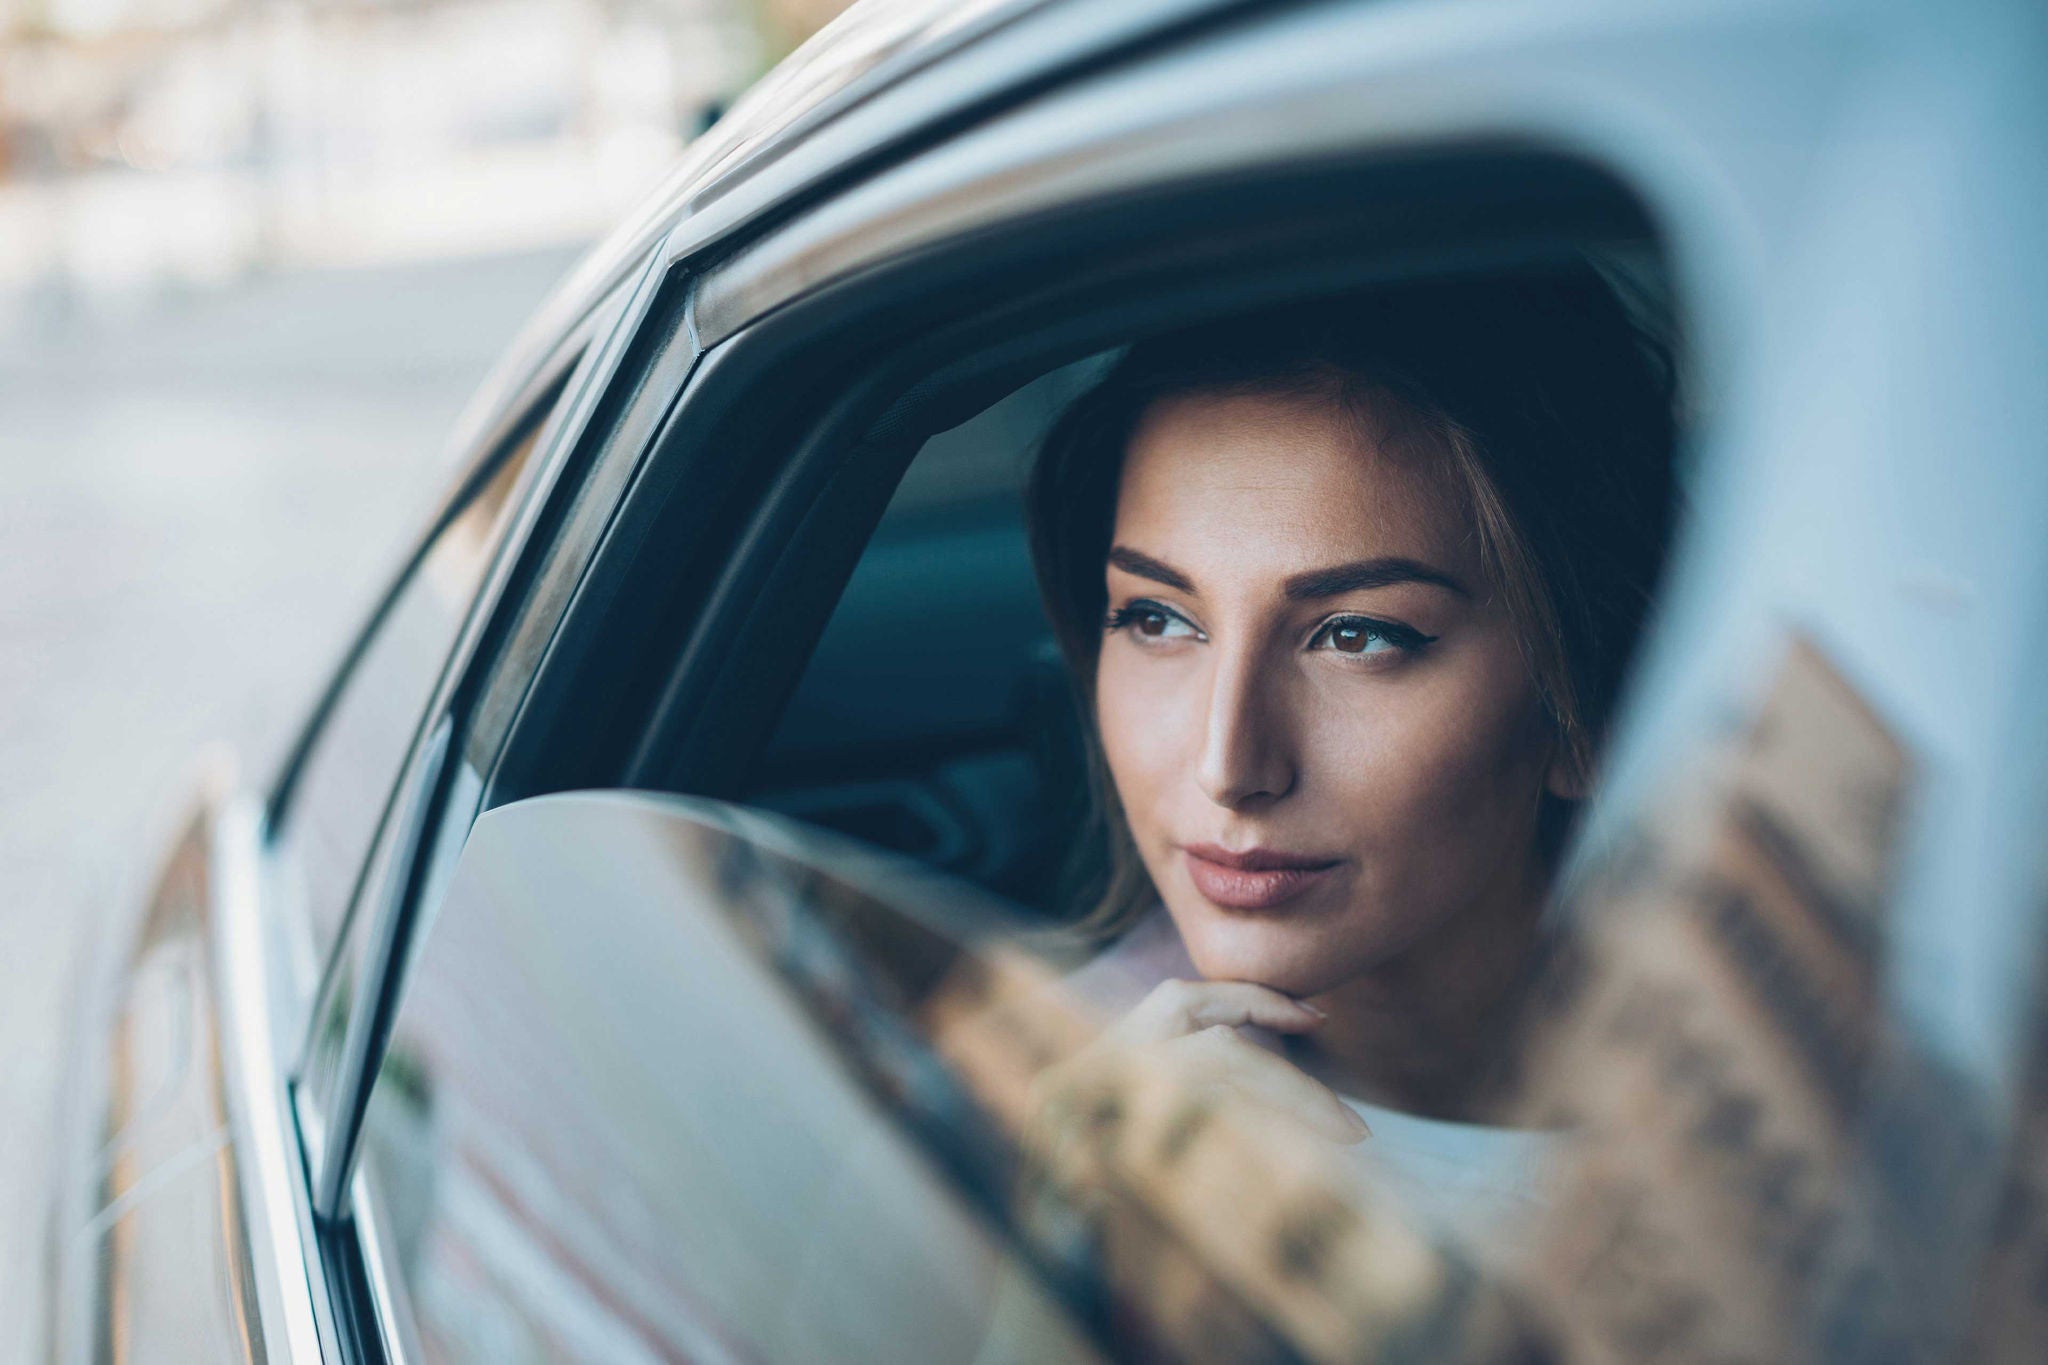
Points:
(1723, 1051)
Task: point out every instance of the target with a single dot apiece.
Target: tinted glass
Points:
(353, 766)
(673, 1081)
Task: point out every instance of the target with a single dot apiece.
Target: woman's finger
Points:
(1175, 1008)
(1219, 1056)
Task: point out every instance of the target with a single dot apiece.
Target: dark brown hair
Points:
(1546, 402)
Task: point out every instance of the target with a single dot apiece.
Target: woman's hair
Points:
(1548, 408)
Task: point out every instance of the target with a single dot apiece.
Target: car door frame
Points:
(690, 463)
(624, 364)
(744, 471)
(1719, 199)
(268, 1002)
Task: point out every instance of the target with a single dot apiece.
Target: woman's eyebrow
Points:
(1145, 566)
(1367, 573)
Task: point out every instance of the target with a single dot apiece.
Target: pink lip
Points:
(1255, 879)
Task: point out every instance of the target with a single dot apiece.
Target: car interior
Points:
(816, 595)
(935, 717)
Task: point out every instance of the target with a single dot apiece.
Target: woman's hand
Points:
(1187, 1033)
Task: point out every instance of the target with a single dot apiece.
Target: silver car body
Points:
(1853, 196)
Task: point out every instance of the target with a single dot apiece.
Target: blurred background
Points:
(254, 257)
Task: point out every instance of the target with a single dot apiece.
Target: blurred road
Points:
(196, 508)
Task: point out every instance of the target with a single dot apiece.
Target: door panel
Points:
(150, 1242)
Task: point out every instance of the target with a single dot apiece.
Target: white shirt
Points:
(1478, 1185)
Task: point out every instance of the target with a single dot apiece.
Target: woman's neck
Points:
(1433, 1030)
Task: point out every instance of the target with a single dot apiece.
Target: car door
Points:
(189, 1176)
(668, 667)
(689, 629)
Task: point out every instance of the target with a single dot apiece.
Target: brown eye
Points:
(1365, 637)
(1152, 621)
(1350, 638)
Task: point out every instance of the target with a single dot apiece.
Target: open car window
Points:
(674, 1079)
(935, 717)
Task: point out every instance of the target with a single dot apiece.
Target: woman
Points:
(1349, 591)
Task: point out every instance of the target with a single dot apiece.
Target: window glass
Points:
(678, 1081)
(350, 773)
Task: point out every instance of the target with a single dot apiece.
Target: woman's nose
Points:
(1245, 758)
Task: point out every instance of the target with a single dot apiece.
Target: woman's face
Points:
(1317, 715)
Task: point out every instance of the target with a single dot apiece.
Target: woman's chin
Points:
(1267, 955)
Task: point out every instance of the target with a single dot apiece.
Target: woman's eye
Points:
(1361, 635)
(1152, 622)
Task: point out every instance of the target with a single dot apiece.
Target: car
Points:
(647, 949)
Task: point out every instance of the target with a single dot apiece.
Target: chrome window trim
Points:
(396, 1326)
(565, 427)
(482, 433)
(250, 961)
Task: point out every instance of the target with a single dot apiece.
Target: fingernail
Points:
(1312, 1009)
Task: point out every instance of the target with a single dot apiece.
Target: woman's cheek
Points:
(1477, 764)
(1131, 717)
(1421, 769)
(1373, 786)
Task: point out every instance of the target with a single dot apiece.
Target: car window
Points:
(675, 1080)
(348, 775)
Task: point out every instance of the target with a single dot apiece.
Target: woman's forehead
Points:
(1258, 483)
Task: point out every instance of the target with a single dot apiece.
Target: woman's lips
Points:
(1257, 879)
